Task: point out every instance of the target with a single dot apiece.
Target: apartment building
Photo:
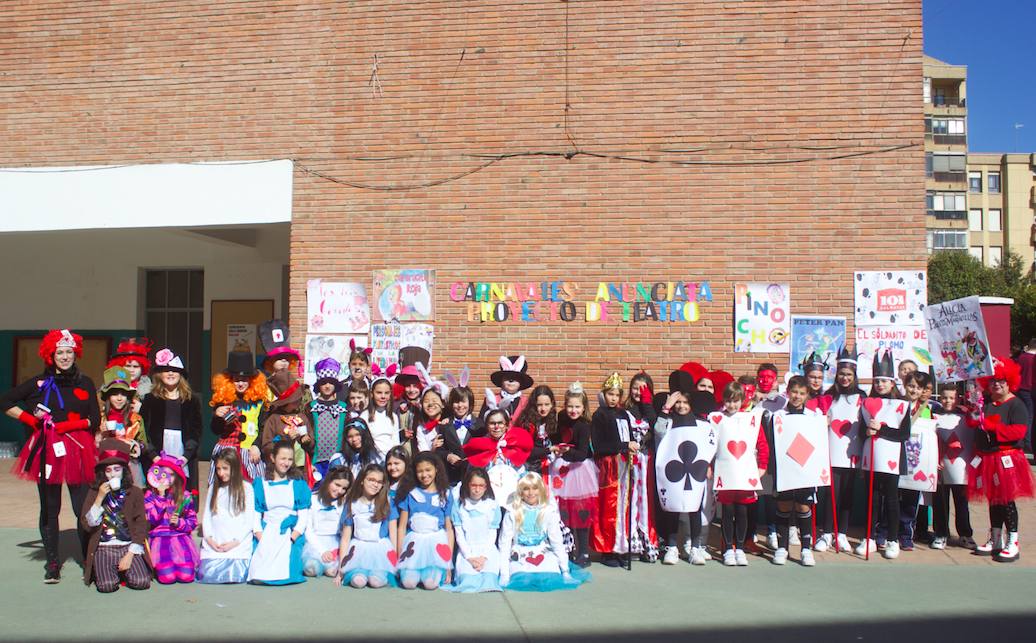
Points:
(1001, 200)
(946, 153)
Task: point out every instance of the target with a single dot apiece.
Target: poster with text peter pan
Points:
(957, 340)
(404, 295)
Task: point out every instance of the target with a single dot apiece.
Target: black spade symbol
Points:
(686, 467)
(349, 556)
(872, 314)
(901, 281)
(408, 553)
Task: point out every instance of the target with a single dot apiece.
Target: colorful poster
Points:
(819, 334)
(387, 339)
(681, 467)
(335, 346)
(762, 323)
(890, 298)
(844, 436)
(905, 342)
(337, 307)
(958, 447)
(957, 340)
(922, 457)
(886, 452)
(802, 452)
(404, 295)
(736, 467)
(241, 337)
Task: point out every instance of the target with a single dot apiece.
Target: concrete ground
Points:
(925, 595)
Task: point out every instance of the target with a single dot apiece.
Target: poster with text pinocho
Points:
(762, 319)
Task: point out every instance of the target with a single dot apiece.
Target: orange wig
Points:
(223, 392)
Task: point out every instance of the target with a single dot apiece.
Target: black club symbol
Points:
(686, 467)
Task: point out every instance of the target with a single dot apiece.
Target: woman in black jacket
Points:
(172, 414)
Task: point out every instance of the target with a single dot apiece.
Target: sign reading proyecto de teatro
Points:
(568, 301)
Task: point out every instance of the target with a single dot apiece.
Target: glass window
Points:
(995, 255)
(927, 90)
(948, 239)
(928, 164)
(174, 307)
(975, 182)
(975, 220)
(994, 221)
(976, 252)
(993, 179)
(955, 126)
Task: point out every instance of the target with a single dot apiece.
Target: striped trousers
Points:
(106, 569)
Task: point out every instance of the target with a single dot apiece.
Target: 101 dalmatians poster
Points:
(922, 457)
(844, 437)
(681, 466)
(957, 340)
(736, 465)
(890, 298)
(890, 413)
(802, 452)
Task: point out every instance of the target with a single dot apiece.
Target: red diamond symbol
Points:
(800, 450)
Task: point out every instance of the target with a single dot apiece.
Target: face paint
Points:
(160, 478)
(766, 379)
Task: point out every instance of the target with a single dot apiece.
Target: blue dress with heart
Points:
(425, 550)
(369, 552)
(537, 561)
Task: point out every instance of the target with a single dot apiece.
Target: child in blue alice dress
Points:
(320, 555)
(476, 521)
(282, 502)
(425, 528)
(367, 550)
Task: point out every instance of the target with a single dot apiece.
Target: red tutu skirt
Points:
(70, 458)
(736, 497)
(1001, 477)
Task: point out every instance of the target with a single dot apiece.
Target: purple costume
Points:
(173, 552)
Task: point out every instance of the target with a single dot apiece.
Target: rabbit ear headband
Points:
(456, 382)
(389, 373)
(430, 382)
(516, 366)
(366, 351)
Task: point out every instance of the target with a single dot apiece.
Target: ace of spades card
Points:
(890, 413)
(922, 457)
(736, 467)
(682, 462)
(951, 429)
(802, 452)
(844, 437)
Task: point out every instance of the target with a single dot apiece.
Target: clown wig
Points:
(223, 392)
(60, 338)
(1006, 369)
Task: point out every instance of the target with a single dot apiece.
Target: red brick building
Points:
(494, 141)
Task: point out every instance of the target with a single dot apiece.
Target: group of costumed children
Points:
(386, 478)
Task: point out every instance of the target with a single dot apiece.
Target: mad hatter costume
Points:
(512, 369)
(235, 419)
(135, 350)
(59, 409)
(409, 376)
(117, 525)
(123, 424)
(328, 417)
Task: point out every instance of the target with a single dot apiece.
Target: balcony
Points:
(949, 139)
(949, 177)
(948, 101)
(949, 215)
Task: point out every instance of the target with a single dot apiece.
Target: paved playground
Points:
(926, 595)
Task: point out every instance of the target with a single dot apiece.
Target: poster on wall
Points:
(335, 346)
(387, 339)
(334, 307)
(816, 334)
(957, 340)
(762, 323)
(404, 295)
(890, 298)
(241, 337)
(905, 342)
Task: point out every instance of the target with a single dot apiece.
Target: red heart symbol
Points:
(824, 477)
(393, 557)
(444, 551)
(563, 470)
(80, 394)
(556, 482)
(753, 481)
(841, 427)
(920, 476)
(737, 449)
(535, 560)
(873, 406)
(893, 465)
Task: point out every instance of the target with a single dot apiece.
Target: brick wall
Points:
(730, 87)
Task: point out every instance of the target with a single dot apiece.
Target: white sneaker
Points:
(806, 558)
(671, 557)
(688, 548)
(864, 546)
(780, 556)
(793, 536)
(698, 556)
(939, 542)
(771, 541)
(993, 545)
(823, 543)
(1011, 552)
(891, 550)
(730, 558)
(740, 558)
(843, 543)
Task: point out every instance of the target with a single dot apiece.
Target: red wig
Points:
(696, 370)
(223, 392)
(49, 345)
(1004, 368)
(720, 379)
(132, 350)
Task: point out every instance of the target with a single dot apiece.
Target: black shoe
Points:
(582, 561)
(611, 560)
(52, 575)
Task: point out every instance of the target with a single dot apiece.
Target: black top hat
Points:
(512, 368)
(275, 339)
(241, 363)
(703, 403)
(409, 357)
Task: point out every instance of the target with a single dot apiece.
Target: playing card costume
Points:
(239, 428)
(60, 448)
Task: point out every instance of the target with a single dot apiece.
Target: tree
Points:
(953, 274)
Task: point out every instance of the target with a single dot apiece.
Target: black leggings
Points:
(1004, 515)
(735, 523)
(842, 487)
(941, 510)
(50, 509)
(886, 498)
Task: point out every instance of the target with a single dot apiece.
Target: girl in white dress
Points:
(320, 554)
(367, 552)
(476, 523)
(282, 501)
(226, 546)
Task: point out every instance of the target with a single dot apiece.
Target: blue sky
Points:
(994, 38)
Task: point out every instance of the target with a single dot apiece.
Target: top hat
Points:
(117, 378)
(241, 363)
(276, 341)
(409, 358)
(512, 368)
(112, 451)
(328, 371)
